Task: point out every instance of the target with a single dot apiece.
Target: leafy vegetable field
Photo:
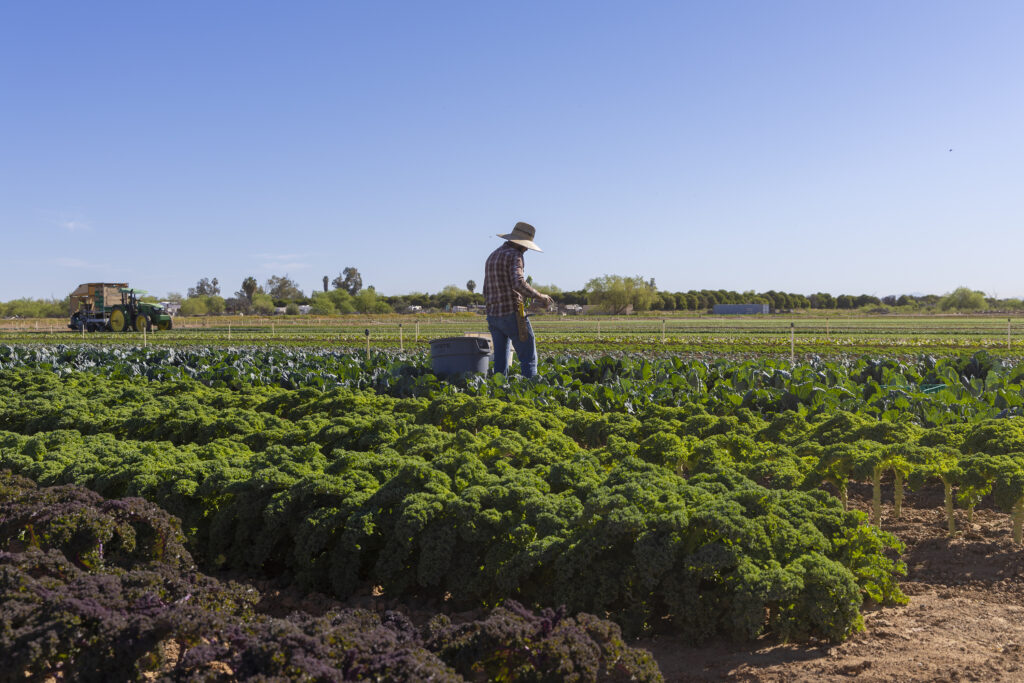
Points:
(703, 499)
(708, 336)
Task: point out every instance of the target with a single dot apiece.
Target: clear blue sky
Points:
(849, 147)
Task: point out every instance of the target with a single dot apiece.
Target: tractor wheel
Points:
(117, 321)
(142, 323)
(163, 325)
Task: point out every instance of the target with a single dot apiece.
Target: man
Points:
(504, 289)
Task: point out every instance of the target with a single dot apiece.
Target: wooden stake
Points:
(367, 333)
(1007, 335)
(662, 330)
(400, 345)
(145, 343)
(229, 331)
(792, 344)
(417, 331)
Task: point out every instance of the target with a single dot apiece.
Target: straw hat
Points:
(522, 235)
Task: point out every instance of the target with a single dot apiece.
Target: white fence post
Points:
(792, 344)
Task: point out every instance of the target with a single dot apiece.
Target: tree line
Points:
(614, 294)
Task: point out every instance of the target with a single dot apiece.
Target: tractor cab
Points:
(137, 315)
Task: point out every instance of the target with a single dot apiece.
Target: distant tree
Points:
(1012, 304)
(551, 290)
(342, 301)
(291, 309)
(204, 287)
(453, 295)
(173, 296)
(418, 299)
(844, 301)
(193, 306)
(866, 300)
(904, 300)
(366, 301)
(471, 286)
(215, 305)
(350, 280)
(35, 308)
(262, 303)
(822, 300)
(326, 281)
(964, 299)
(239, 303)
(889, 300)
(249, 286)
(615, 293)
(283, 287)
(668, 301)
(576, 296)
(322, 304)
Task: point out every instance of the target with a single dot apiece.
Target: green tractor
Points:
(132, 314)
(116, 307)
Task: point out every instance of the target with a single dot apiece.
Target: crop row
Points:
(928, 391)
(98, 590)
(470, 497)
(976, 458)
(703, 516)
(714, 345)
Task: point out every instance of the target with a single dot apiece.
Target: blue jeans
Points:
(503, 330)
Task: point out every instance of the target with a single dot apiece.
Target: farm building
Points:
(739, 309)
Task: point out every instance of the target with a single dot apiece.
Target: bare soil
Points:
(964, 621)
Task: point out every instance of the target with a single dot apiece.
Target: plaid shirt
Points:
(504, 284)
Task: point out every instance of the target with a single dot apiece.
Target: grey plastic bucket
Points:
(452, 355)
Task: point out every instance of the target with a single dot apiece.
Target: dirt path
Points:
(964, 622)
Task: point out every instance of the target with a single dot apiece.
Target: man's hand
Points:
(547, 300)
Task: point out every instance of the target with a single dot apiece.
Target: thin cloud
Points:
(279, 262)
(74, 225)
(282, 265)
(66, 262)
